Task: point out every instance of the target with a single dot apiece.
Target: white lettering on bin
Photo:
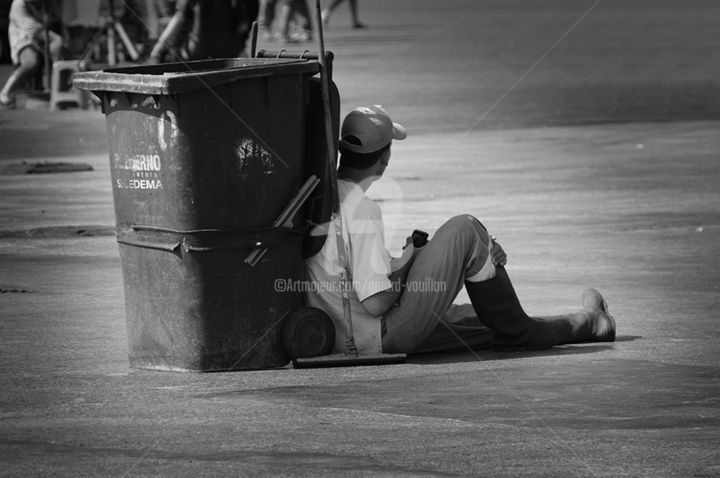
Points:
(138, 162)
(139, 184)
(140, 171)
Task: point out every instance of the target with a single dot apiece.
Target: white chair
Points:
(61, 89)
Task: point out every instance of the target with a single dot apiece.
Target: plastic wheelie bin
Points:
(204, 156)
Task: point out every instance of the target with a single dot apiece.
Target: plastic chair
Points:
(61, 89)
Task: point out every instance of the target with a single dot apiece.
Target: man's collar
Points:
(356, 184)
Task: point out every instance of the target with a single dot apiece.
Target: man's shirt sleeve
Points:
(370, 257)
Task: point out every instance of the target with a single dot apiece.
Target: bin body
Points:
(202, 163)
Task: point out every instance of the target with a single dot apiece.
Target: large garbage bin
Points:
(204, 156)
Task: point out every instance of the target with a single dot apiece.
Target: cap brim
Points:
(399, 131)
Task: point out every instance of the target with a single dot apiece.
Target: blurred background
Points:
(471, 64)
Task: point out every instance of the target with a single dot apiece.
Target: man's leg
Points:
(458, 249)
(497, 306)
(458, 330)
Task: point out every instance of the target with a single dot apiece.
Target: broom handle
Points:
(286, 216)
(350, 348)
(253, 39)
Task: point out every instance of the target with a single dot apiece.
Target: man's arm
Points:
(379, 303)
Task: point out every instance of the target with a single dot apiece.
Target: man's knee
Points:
(470, 236)
(464, 232)
(466, 224)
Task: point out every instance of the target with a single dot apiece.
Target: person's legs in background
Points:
(293, 22)
(301, 18)
(266, 17)
(283, 21)
(29, 60)
(354, 16)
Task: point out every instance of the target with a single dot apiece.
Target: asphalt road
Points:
(584, 135)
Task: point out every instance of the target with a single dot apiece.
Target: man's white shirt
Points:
(368, 268)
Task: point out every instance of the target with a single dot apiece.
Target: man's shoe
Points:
(7, 102)
(601, 322)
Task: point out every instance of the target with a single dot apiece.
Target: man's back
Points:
(369, 266)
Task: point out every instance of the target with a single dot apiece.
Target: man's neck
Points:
(357, 176)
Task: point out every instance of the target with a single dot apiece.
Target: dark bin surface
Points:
(204, 156)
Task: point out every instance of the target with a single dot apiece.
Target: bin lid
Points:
(173, 78)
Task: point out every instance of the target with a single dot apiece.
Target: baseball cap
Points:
(369, 128)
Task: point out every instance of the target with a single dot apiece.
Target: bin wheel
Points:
(308, 332)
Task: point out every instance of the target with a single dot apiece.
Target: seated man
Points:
(388, 314)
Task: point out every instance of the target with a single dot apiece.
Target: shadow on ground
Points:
(499, 354)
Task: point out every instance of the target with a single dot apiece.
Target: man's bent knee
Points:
(469, 238)
(466, 224)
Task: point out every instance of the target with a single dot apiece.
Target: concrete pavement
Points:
(630, 207)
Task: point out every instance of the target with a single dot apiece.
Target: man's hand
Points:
(499, 258)
(399, 266)
(377, 304)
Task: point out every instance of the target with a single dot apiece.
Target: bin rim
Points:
(174, 78)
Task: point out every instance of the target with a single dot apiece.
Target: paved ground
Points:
(598, 168)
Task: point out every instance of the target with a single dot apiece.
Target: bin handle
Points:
(213, 240)
(171, 247)
(190, 232)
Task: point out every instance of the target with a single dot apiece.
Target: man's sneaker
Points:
(602, 323)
